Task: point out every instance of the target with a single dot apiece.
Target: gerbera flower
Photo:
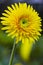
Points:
(23, 22)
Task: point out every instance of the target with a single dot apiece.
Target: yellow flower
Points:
(18, 64)
(23, 23)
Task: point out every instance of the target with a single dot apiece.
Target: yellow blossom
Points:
(23, 22)
(18, 64)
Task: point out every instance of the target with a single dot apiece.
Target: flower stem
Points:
(12, 55)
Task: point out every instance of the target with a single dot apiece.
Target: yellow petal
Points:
(8, 12)
(13, 6)
(12, 33)
(9, 8)
(5, 14)
(5, 28)
(5, 22)
(25, 49)
(16, 5)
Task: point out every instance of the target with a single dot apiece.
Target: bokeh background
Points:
(6, 43)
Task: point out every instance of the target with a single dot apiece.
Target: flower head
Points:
(21, 21)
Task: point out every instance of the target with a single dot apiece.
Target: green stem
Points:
(12, 55)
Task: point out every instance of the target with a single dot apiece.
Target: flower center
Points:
(23, 22)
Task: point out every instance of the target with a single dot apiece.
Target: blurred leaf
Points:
(37, 52)
(5, 40)
(34, 63)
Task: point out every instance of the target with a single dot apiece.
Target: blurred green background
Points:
(6, 43)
